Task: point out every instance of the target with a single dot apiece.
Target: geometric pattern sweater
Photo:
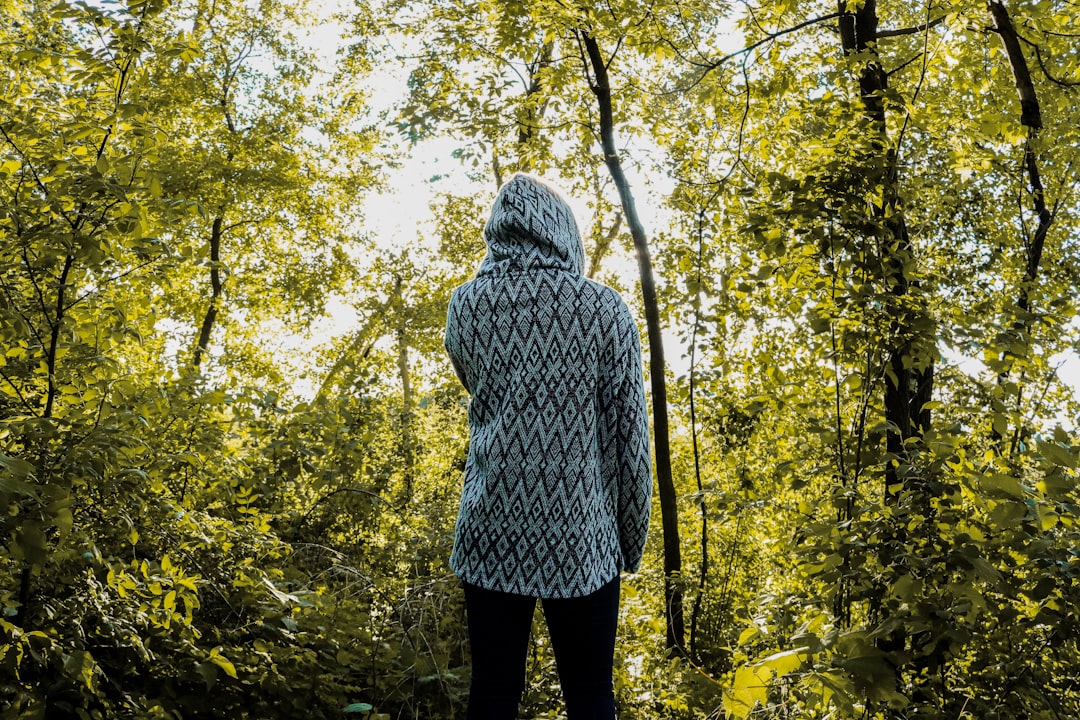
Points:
(557, 487)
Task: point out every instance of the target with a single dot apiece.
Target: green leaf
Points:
(18, 467)
(281, 597)
(749, 689)
(222, 662)
(31, 544)
(209, 672)
(784, 662)
(837, 689)
(985, 570)
(16, 487)
(80, 664)
(748, 634)
(1001, 485)
(358, 708)
(1057, 454)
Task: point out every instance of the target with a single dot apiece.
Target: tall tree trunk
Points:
(1031, 119)
(673, 591)
(703, 568)
(216, 286)
(909, 352)
(217, 229)
(56, 323)
(909, 384)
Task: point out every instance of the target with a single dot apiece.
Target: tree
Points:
(673, 594)
(131, 520)
(847, 157)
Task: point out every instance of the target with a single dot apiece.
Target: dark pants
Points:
(582, 634)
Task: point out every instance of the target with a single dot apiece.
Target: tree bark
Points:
(1030, 114)
(1031, 119)
(673, 591)
(216, 287)
(909, 382)
(603, 244)
(54, 336)
(534, 112)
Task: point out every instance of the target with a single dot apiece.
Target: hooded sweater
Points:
(557, 485)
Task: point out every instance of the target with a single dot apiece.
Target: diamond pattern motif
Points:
(557, 488)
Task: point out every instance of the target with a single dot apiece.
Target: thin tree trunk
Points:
(909, 383)
(406, 391)
(355, 350)
(48, 410)
(216, 286)
(534, 111)
(496, 170)
(673, 591)
(216, 232)
(703, 570)
(54, 336)
(1031, 119)
(603, 244)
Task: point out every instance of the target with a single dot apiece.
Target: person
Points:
(557, 486)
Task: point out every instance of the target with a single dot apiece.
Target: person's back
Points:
(557, 484)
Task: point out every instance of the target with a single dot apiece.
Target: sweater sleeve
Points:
(452, 338)
(634, 465)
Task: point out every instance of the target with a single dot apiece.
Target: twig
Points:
(753, 46)
(911, 30)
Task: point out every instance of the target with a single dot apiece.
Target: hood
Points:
(531, 227)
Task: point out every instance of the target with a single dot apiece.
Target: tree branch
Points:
(26, 403)
(332, 493)
(1042, 65)
(112, 279)
(911, 30)
(604, 243)
(216, 286)
(753, 46)
(1030, 114)
(54, 339)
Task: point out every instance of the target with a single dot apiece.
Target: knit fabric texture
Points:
(557, 485)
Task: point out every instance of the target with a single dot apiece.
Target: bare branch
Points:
(112, 279)
(33, 171)
(753, 46)
(1042, 65)
(898, 32)
(686, 30)
(332, 493)
(37, 287)
(925, 55)
(22, 399)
